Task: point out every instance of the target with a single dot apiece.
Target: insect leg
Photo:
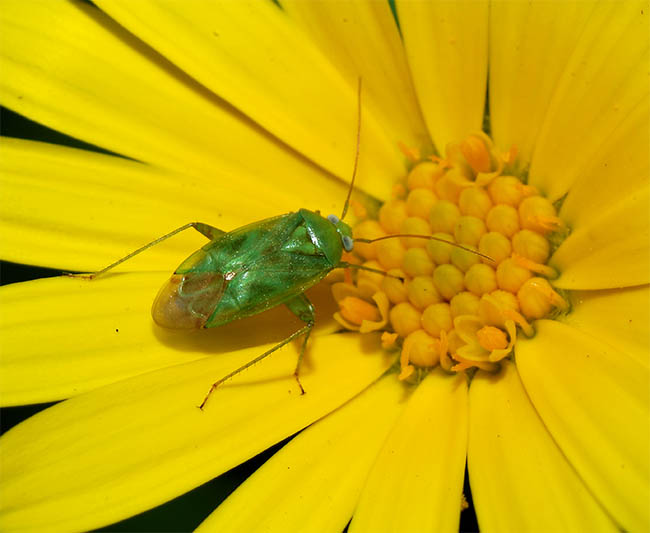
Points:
(202, 228)
(304, 310)
(301, 331)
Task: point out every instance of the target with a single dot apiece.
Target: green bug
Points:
(254, 268)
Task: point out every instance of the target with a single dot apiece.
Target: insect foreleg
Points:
(205, 229)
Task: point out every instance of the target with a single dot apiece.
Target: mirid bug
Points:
(254, 268)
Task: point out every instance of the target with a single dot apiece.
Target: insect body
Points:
(252, 269)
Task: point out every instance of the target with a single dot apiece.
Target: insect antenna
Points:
(356, 155)
(347, 202)
(345, 264)
(431, 238)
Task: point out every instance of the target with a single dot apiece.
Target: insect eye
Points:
(348, 243)
(333, 219)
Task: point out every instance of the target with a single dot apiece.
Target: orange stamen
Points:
(464, 364)
(547, 223)
(412, 154)
(538, 268)
(388, 339)
(406, 368)
(519, 319)
(492, 338)
(476, 154)
(443, 163)
(355, 310)
(510, 155)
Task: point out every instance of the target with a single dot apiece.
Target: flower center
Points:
(442, 304)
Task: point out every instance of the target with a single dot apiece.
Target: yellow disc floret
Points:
(392, 214)
(423, 175)
(475, 201)
(531, 245)
(368, 229)
(437, 318)
(405, 319)
(394, 287)
(443, 217)
(440, 249)
(417, 262)
(459, 299)
(449, 280)
(422, 292)
(495, 245)
(480, 278)
(420, 202)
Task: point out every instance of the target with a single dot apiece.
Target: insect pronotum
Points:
(256, 267)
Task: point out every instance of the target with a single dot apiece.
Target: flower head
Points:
(531, 366)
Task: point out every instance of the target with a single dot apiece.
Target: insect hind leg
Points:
(205, 229)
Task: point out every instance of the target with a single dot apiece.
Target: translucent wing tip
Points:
(187, 301)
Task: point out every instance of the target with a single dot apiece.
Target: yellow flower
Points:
(229, 112)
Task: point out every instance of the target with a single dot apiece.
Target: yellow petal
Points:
(253, 56)
(64, 336)
(314, 482)
(594, 401)
(603, 81)
(446, 46)
(530, 44)
(608, 251)
(361, 39)
(520, 479)
(621, 167)
(89, 78)
(79, 210)
(618, 317)
(126, 447)
(417, 481)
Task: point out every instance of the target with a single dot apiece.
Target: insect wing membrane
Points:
(188, 300)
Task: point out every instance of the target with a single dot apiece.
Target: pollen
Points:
(461, 298)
